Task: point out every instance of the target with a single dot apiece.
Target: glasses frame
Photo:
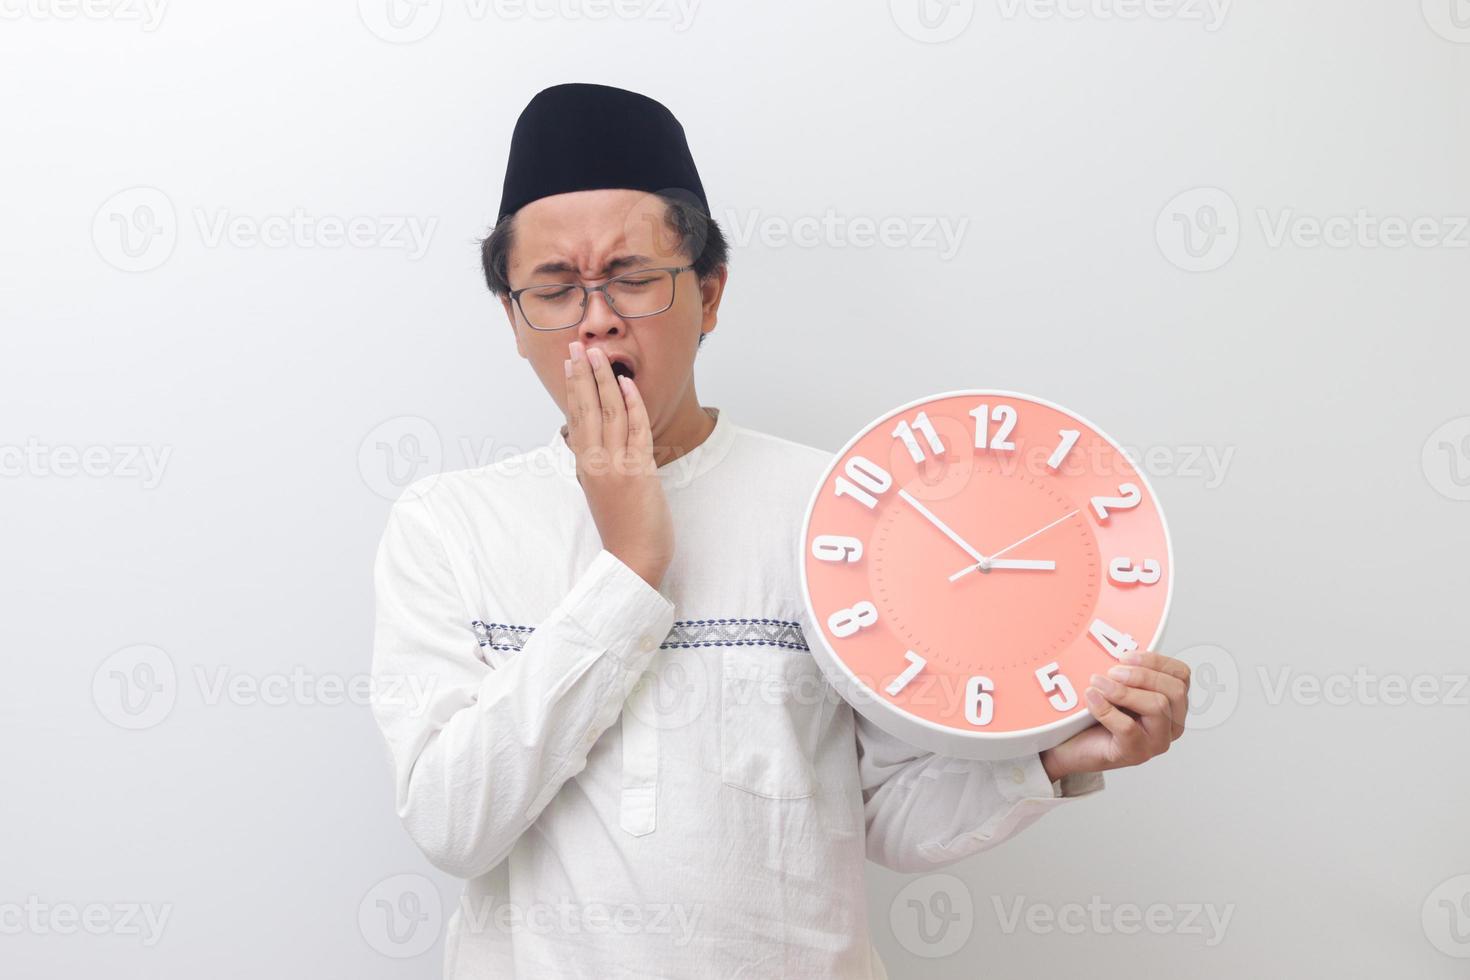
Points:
(587, 291)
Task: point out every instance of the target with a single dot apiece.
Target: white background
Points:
(1073, 145)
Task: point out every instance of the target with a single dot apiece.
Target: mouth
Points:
(622, 369)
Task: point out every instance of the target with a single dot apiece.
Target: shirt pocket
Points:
(771, 713)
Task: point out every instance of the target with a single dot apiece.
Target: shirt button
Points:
(647, 644)
(1018, 775)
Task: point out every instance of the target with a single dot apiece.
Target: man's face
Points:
(588, 237)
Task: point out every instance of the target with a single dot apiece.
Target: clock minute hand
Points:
(948, 532)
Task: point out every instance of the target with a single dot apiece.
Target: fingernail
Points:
(1120, 673)
(577, 352)
(1093, 698)
(1132, 657)
(1103, 684)
(567, 366)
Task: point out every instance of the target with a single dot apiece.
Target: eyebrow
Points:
(610, 268)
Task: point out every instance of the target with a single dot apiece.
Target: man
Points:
(713, 820)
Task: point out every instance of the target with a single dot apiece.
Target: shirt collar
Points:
(675, 473)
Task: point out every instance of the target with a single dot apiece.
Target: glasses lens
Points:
(642, 293)
(552, 307)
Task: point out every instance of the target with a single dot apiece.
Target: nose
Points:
(601, 319)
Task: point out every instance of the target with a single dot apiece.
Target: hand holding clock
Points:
(1140, 706)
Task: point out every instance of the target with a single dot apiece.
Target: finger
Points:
(1168, 685)
(614, 418)
(569, 399)
(640, 431)
(1157, 661)
(1127, 731)
(1152, 708)
(584, 416)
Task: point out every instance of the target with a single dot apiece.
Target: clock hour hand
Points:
(1020, 564)
(1027, 564)
(948, 532)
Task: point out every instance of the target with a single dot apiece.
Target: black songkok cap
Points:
(579, 137)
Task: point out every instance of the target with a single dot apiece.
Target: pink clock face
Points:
(971, 559)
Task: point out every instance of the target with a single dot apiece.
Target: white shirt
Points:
(710, 822)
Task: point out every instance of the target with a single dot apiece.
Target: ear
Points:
(711, 291)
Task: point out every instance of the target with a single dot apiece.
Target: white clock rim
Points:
(922, 732)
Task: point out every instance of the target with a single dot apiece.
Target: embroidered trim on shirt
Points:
(499, 636)
(735, 633)
(687, 633)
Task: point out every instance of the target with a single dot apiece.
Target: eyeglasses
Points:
(560, 305)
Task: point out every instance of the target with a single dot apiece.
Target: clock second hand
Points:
(985, 562)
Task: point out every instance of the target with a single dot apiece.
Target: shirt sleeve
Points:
(923, 811)
(477, 752)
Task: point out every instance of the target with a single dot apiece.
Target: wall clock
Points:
(970, 559)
